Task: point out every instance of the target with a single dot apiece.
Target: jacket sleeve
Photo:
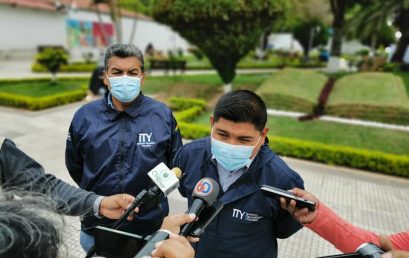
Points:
(73, 158)
(22, 173)
(176, 141)
(178, 163)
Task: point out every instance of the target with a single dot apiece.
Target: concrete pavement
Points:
(375, 202)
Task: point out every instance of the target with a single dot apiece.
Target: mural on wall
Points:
(89, 34)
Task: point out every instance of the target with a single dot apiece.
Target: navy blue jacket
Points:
(249, 223)
(110, 152)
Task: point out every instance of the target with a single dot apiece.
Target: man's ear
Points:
(105, 79)
(143, 79)
(211, 121)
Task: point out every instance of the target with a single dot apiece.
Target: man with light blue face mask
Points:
(238, 157)
(114, 142)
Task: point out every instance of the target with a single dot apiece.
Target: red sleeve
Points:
(343, 235)
(400, 241)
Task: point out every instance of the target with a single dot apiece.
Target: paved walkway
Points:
(374, 202)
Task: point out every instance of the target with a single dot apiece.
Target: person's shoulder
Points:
(151, 103)
(279, 169)
(91, 107)
(196, 145)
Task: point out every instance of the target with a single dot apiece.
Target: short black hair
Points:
(123, 50)
(242, 106)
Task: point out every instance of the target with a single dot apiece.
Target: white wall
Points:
(22, 30)
(147, 31)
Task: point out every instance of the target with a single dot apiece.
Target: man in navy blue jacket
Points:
(114, 142)
(237, 156)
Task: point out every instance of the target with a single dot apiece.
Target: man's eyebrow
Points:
(222, 131)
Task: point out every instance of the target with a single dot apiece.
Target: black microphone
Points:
(204, 195)
(165, 180)
(147, 249)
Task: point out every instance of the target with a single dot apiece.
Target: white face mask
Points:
(232, 157)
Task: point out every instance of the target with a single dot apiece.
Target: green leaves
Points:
(52, 59)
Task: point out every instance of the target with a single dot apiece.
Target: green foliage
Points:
(52, 59)
(225, 30)
(33, 103)
(338, 155)
(292, 89)
(193, 131)
(303, 31)
(74, 67)
(188, 115)
(177, 103)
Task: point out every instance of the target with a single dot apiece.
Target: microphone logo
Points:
(204, 187)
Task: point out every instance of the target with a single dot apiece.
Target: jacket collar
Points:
(133, 110)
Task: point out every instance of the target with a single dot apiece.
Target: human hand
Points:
(386, 244)
(174, 222)
(174, 247)
(302, 215)
(113, 207)
(395, 254)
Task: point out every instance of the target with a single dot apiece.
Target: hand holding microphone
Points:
(204, 195)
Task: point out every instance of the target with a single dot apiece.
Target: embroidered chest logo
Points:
(145, 140)
(247, 216)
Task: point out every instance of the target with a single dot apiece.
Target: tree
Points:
(52, 59)
(371, 21)
(310, 34)
(225, 30)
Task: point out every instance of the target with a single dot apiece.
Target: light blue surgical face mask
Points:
(125, 88)
(232, 157)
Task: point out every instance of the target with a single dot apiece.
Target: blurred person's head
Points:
(29, 227)
(238, 129)
(124, 72)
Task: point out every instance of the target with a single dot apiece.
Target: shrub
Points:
(52, 59)
(177, 103)
(339, 155)
(193, 131)
(73, 67)
(32, 103)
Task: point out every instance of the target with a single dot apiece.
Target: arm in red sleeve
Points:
(400, 241)
(342, 234)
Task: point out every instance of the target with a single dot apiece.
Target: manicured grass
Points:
(370, 88)
(405, 78)
(198, 86)
(42, 87)
(292, 89)
(360, 137)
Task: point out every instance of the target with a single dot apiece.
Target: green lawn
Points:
(42, 88)
(375, 139)
(292, 89)
(370, 88)
(405, 78)
(198, 86)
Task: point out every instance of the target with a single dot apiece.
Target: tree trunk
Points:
(338, 10)
(402, 22)
(227, 87)
(53, 78)
(116, 19)
(131, 38)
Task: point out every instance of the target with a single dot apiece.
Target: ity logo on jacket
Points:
(144, 140)
(242, 215)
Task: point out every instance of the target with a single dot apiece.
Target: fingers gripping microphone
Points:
(156, 237)
(204, 195)
(165, 180)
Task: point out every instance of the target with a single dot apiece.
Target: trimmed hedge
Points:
(70, 68)
(338, 155)
(177, 103)
(394, 115)
(31, 103)
(193, 131)
(189, 115)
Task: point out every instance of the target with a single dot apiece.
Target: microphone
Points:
(204, 195)
(165, 180)
(147, 249)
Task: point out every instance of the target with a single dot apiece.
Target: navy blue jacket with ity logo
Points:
(249, 223)
(110, 152)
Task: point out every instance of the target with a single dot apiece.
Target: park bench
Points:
(168, 65)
